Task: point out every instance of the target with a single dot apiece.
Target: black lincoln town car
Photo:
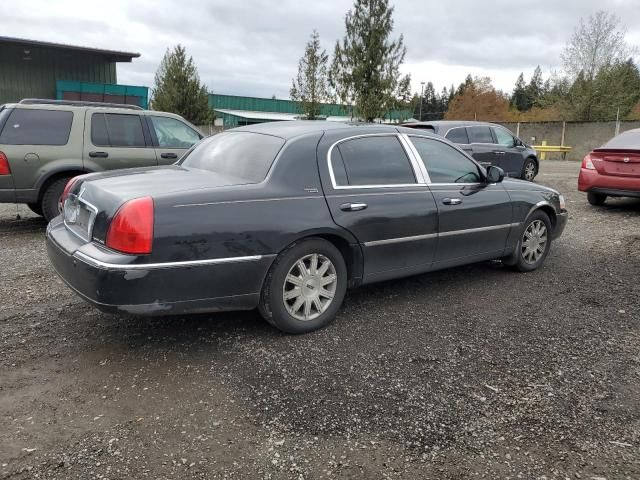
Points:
(286, 216)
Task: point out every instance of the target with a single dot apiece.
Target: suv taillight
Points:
(131, 230)
(587, 163)
(4, 165)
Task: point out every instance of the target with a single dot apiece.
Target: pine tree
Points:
(311, 87)
(535, 89)
(520, 99)
(366, 64)
(177, 88)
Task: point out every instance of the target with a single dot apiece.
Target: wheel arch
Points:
(54, 175)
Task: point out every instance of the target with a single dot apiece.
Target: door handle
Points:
(352, 207)
(499, 153)
(168, 155)
(452, 201)
(98, 154)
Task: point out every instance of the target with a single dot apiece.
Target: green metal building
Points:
(30, 68)
(233, 111)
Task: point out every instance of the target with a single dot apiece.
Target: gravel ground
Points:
(474, 372)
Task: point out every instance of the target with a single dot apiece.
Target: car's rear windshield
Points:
(244, 155)
(625, 141)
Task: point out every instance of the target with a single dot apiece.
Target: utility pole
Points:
(618, 121)
(421, 95)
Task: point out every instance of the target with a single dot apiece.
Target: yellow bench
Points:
(544, 149)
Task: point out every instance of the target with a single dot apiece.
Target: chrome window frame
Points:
(451, 145)
(408, 150)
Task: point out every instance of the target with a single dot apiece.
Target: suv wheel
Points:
(304, 287)
(529, 170)
(51, 197)
(35, 208)
(596, 199)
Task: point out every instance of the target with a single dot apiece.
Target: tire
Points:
(529, 170)
(35, 208)
(51, 197)
(596, 199)
(287, 314)
(524, 259)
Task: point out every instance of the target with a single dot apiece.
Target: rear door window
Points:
(375, 161)
(117, 130)
(37, 127)
(480, 134)
(458, 135)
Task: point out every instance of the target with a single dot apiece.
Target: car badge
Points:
(625, 159)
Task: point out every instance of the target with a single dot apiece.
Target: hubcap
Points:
(534, 241)
(529, 171)
(309, 287)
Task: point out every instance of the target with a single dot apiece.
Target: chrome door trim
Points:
(416, 170)
(389, 241)
(478, 229)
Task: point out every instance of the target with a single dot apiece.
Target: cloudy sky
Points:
(252, 47)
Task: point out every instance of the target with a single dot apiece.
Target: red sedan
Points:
(613, 170)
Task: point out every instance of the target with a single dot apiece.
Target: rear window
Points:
(625, 141)
(116, 130)
(244, 155)
(36, 127)
(480, 134)
(458, 135)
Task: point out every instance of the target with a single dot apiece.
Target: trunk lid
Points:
(617, 162)
(95, 198)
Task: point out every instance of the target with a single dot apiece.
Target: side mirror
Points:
(494, 174)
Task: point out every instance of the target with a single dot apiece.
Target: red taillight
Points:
(131, 230)
(588, 163)
(67, 189)
(4, 165)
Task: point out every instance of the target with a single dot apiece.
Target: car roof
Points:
(296, 128)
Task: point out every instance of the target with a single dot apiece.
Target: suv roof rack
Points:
(77, 103)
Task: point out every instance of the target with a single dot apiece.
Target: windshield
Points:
(244, 155)
(625, 141)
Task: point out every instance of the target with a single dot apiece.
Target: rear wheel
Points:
(596, 199)
(51, 197)
(534, 243)
(529, 170)
(35, 208)
(304, 287)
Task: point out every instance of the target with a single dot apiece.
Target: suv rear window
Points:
(245, 155)
(37, 127)
(116, 130)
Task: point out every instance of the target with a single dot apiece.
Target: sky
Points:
(252, 47)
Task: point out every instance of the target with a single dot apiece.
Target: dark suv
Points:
(44, 143)
(489, 144)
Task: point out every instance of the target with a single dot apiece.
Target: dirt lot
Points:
(475, 372)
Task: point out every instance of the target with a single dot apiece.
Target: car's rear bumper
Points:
(104, 279)
(592, 181)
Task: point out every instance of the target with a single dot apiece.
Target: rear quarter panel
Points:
(257, 219)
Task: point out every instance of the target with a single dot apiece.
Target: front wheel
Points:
(534, 243)
(304, 287)
(529, 170)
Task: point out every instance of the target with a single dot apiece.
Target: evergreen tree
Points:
(177, 88)
(520, 98)
(311, 87)
(535, 89)
(366, 64)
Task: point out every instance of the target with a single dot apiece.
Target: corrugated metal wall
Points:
(31, 72)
